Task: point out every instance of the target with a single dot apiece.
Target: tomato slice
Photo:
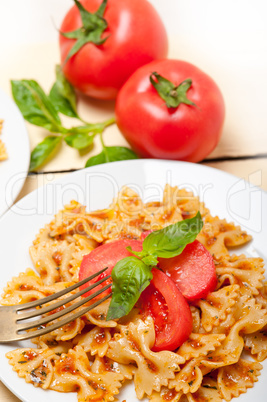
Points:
(170, 311)
(106, 255)
(193, 271)
(145, 234)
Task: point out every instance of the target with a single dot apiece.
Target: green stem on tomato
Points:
(171, 94)
(91, 31)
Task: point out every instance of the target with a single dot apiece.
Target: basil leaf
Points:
(130, 277)
(79, 141)
(111, 154)
(63, 96)
(35, 106)
(88, 128)
(43, 151)
(96, 160)
(171, 240)
(150, 260)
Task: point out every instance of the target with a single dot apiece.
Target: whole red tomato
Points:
(128, 34)
(189, 131)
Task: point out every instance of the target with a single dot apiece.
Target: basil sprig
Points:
(111, 154)
(44, 111)
(132, 275)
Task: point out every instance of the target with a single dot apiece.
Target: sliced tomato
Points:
(193, 271)
(106, 255)
(145, 234)
(170, 311)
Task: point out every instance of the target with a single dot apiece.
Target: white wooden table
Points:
(228, 40)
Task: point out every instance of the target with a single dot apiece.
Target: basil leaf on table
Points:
(111, 154)
(43, 151)
(63, 96)
(130, 277)
(35, 105)
(42, 110)
(79, 141)
(171, 240)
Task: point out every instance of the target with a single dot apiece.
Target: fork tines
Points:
(54, 306)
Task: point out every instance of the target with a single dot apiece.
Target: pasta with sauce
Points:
(3, 152)
(94, 357)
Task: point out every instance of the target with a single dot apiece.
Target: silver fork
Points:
(10, 318)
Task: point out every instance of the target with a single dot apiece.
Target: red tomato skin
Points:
(145, 234)
(153, 130)
(106, 255)
(135, 36)
(173, 326)
(193, 271)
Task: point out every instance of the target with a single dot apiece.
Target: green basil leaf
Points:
(87, 128)
(96, 160)
(111, 154)
(63, 96)
(150, 260)
(34, 105)
(43, 151)
(79, 141)
(60, 103)
(171, 240)
(130, 277)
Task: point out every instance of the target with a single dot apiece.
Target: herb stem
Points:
(104, 146)
(109, 122)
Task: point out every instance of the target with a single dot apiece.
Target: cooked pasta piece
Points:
(28, 286)
(133, 345)
(234, 380)
(166, 394)
(95, 341)
(256, 344)
(200, 345)
(217, 236)
(217, 305)
(3, 151)
(208, 392)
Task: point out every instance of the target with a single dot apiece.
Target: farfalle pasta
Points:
(3, 151)
(94, 357)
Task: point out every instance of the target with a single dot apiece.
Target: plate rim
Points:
(131, 161)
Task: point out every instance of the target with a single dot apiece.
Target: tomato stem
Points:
(171, 94)
(91, 31)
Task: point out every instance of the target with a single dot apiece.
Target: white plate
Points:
(225, 195)
(13, 171)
